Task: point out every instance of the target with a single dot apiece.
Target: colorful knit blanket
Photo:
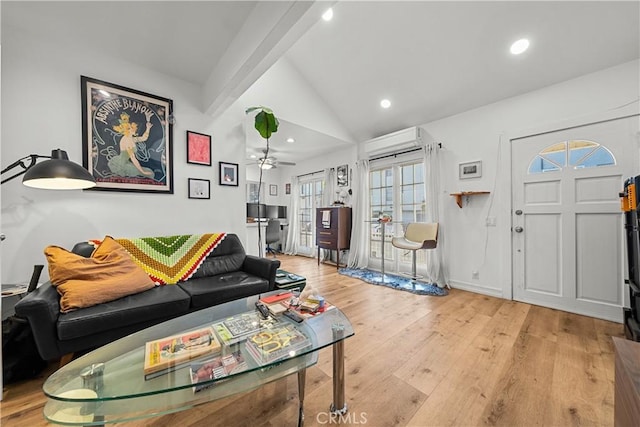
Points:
(171, 259)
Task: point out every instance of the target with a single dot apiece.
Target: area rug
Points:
(394, 281)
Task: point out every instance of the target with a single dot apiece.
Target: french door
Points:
(396, 190)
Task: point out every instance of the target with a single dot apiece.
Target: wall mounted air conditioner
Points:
(396, 142)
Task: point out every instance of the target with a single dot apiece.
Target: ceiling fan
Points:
(271, 162)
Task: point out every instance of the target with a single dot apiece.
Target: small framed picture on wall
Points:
(228, 173)
(198, 148)
(470, 169)
(342, 174)
(287, 188)
(273, 190)
(199, 188)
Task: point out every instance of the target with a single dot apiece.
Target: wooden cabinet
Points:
(627, 382)
(333, 230)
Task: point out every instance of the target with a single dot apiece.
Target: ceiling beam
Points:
(271, 29)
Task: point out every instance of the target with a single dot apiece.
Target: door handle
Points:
(518, 229)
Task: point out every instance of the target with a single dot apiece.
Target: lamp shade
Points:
(58, 173)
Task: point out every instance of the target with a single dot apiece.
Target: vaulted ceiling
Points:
(325, 79)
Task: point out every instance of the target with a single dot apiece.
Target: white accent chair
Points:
(417, 235)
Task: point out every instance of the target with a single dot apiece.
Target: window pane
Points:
(388, 196)
(376, 197)
(388, 177)
(419, 196)
(407, 174)
(558, 147)
(310, 198)
(539, 164)
(407, 194)
(580, 153)
(599, 157)
(418, 175)
(375, 179)
(559, 158)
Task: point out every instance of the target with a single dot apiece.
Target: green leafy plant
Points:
(266, 123)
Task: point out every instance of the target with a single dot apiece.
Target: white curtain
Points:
(359, 252)
(436, 267)
(329, 177)
(291, 243)
(329, 194)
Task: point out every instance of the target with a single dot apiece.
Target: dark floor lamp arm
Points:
(20, 162)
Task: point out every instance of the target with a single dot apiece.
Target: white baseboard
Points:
(473, 287)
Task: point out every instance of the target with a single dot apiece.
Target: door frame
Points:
(506, 278)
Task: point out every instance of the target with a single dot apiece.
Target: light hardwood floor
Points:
(461, 360)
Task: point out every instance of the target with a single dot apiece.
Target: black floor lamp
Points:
(57, 173)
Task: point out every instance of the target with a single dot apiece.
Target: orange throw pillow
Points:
(110, 273)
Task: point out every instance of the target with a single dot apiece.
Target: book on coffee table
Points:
(170, 353)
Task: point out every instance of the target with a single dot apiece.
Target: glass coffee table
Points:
(108, 384)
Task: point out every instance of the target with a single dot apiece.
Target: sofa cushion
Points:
(108, 274)
(209, 291)
(228, 256)
(158, 303)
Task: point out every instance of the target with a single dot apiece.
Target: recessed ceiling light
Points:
(519, 46)
(328, 15)
(290, 140)
(253, 156)
(385, 103)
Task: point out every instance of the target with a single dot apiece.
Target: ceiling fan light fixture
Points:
(265, 165)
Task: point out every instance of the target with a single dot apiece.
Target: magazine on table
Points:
(276, 343)
(170, 353)
(202, 372)
(309, 307)
(237, 328)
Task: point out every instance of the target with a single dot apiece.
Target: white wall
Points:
(482, 134)
(283, 174)
(41, 111)
(270, 177)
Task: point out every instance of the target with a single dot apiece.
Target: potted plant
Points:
(266, 123)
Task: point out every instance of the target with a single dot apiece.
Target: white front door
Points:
(568, 234)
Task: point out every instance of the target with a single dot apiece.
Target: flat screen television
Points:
(256, 210)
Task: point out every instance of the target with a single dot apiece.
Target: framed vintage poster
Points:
(470, 170)
(198, 148)
(287, 188)
(199, 188)
(343, 175)
(273, 190)
(228, 173)
(127, 138)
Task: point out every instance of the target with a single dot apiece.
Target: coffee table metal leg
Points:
(339, 405)
(302, 375)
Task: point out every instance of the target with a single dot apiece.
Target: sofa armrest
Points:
(262, 267)
(42, 308)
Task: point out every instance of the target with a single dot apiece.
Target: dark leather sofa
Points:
(228, 273)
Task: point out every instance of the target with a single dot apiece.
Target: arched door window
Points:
(576, 154)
